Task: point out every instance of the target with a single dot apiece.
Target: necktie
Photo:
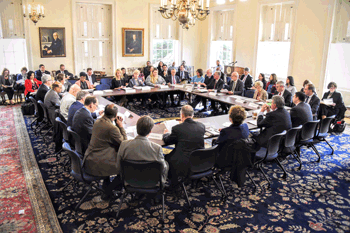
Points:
(174, 80)
(215, 84)
(233, 86)
(182, 75)
(280, 93)
(307, 99)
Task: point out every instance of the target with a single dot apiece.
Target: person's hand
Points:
(210, 90)
(131, 50)
(196, 83)
(156, 85)
(119, 121)
(264, 108)
(191, 82)
(204, 84)
(258, 98)
(333, 104)
(100, 112)
(230, 92)
(220, 130)
(166, 131)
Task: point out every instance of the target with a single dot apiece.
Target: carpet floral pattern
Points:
(317, 198)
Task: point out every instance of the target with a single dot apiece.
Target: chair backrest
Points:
(202, 160)
(141, 174)
(291, 136)
(102, 87)
(324, 124)
(273, 145)
(63, 127)
(75, 140)
(106, 81)
(74, 158)
(35, 104)
(309, 129)
(42, 105)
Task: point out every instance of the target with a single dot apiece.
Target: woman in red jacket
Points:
(31, 84)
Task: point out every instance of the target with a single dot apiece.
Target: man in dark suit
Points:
(301, 113)
(236, 87)
(146, 69)
(247, 79)
(44, 88)
(39, 73)
(56, 46)
(171, 80)
(187, 137)
(183, 74)
(52, 100)
(216, 84)
(63, 70)
(312, 99)
(207, 78)
(83, 121)
(276, 121)
(90, 76)
(281, 91)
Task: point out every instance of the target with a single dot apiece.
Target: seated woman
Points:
(154, 80)
(6, 83)
(160, 67)
(137, 81)
(261, 78)
(259, 94)
(31, 84)
(118, 82)
(306, 82)
(290, 85)
(237, 130)
(271, 85)
(83, 83)
(337, 105)
(19, 86)
(198, 79)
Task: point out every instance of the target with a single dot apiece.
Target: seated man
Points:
(187, 137)
(312, 99)
(281, 91)
(183, 74)
(276, 121)
(83, 122)
(63, 70)
(247, 79)
(52, 100)
(90, 76)
(173, 79)
(236, 87)
(101, 156)
(83, 83)
(44, 88)
(68, 99)
(301, 113)
(207, 78)
(65, 83)
(142, 149)
(40, 72)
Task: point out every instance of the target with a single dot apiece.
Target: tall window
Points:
(274, 39)
(222, 37)
(164, 39)
(13, 55)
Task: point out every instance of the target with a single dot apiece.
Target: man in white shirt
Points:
(312, 99)
(219, 66)
(90, 76)
(68, 100)
(247, 79)
(281, 91)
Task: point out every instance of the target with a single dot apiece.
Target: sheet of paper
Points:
(127, 114)
(239, 101)
(163, 86)
(253, 122)
(130, 129)
(327, 101)
(226, 124)
(156, 136)
(108, 91)
(252, 105)
(137, 87)
(98, 92)
(212, 93)
(170, 124)
(146, 88)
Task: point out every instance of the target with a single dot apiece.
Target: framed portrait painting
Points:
(133, 42)
(52, 42)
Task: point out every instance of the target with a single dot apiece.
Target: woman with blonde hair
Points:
(259, 94)
(117, 84)
(154, 80)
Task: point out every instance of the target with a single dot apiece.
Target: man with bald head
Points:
(68, 99)
(56, 45)
(52, 100)
(187, 137)
(236, 85)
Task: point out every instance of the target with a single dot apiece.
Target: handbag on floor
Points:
(28, 109)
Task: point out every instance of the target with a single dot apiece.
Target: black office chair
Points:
(270, 154)
(322, 132)
(36, 114)
(202, 163)
(141, 177)
(307, 134)
(74, 139)
(289, 142)
(77, 172)
(46, 119)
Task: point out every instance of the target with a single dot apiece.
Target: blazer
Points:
(287, 97)
(117, 83)
(248, 82)
(186, 76)
(314, 104)
(67, 86)
(218, 86)
(142, 149)
(337, 99)
(275, 122)
(52, 102)
(263, 95)
(11, 80)
(73, 109)
(40, 94)
(169, 79)
(160, 80)
(82, 124)
(187, 137)
(238, 89)
(39, 74)
(29, 86)
(300, 114)
(66, 72)
(101, 156)
(90, 86)
(93, 78)
(133, 83)
(207, 79)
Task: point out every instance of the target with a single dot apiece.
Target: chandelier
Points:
(35, 11)
(187, 11)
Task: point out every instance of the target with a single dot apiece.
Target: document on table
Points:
(98, 92)
(170, 124)
(147, 88)
(130, 129)
(253, 122)
(226, 124)
(210, 131)
(155, 136)
(107, 91)
(163, 86)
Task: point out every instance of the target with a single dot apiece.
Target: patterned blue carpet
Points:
(317, 198)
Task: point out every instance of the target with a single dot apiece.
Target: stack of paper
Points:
(98, 92)
(129, 90)
(226, 124)
(327, 101)
(107, 91)
(163, 86)
(146, 88)
(170, 124)
(155, 136)
(137, 87)
(253, 122)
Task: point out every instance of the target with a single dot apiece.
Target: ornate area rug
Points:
(317, 198)
(24, 201)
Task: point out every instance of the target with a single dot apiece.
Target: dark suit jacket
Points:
(40, 95)
(248, 82)
(169, 79)
(82, 124)
(93, 77)
(185, 77)
(287, 97)
(39, 74)
(238, 89)
(187, 137)
(52, 102)
(66, 72)
(314, 104)
(300, 114)
(275, 122)
(337, 99)
(219, 85)
(73, 109)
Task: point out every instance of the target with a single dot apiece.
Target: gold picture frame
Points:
(133, 42)
(52, 42)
